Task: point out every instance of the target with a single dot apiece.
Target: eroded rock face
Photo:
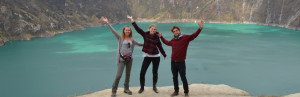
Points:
(285, 13)
(23, 19)
(3, 9)
(1, 43)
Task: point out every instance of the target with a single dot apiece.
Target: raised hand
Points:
(201, 24)
(129, 17)
(159, 34)
(104, 19)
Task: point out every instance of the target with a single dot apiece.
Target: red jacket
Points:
(179, 46)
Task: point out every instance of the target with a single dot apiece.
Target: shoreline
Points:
(49, 34)
(197, 20)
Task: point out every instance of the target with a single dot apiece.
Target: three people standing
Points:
(151, 54)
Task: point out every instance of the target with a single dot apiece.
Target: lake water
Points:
(256, 58)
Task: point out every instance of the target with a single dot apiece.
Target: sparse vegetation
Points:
(26, 19)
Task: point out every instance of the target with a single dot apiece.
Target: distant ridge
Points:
(25, 19)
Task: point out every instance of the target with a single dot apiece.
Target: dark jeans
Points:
(179, 67)
(155, 63)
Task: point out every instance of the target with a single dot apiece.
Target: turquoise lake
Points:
(256, 58)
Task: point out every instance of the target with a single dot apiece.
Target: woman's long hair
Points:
(123, 33)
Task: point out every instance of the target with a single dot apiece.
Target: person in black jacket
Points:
(150, 53)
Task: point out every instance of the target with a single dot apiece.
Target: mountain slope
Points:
(24, 19)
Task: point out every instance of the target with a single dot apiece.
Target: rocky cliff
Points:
(24, 19)
(195, 90)
(284, 13)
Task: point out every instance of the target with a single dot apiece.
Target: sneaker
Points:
(128, 92)
(186, 95)
(174, 94)
(141, 90)
(113, 94)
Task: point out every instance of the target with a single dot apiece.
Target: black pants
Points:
(179, 67)
(155, 63)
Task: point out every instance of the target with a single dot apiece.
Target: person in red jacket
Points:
(179, 45)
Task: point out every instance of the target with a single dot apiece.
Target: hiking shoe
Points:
(128, 92)
(174, 94)
(141, 90)
(155, 89)
(186, 95)
(113, 94)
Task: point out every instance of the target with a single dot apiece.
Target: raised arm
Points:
(164, 40)
(194, 35)
(104, 19)
(136, 27)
